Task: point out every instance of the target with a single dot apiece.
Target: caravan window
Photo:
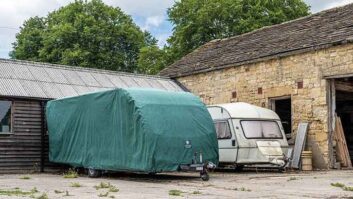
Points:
(223, 130)
(261, 129)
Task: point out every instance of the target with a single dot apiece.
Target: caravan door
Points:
(227, 143)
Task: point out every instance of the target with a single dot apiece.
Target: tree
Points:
(151, 60)
(83, 33)
(29, 41)
(199, 21)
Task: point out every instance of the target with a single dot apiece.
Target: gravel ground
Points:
(221, 185)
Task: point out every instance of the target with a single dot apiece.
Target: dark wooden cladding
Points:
(21, 151)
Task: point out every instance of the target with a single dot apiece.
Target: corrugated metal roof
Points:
(48, 81)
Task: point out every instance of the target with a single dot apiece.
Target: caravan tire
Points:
(94, 173)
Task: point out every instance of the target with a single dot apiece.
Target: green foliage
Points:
(71, 174)
(103, 194)
(29, 40)
(175, 192)
(103, 185)
(151, 60)
(337, 184)
(25, 177)
(75, 184)
(83, 33)
(58, 191)
(113, 189)
(17, 192)
(199, 21)
(348, 188)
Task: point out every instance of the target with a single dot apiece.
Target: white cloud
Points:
(154, 21)
(145, 8)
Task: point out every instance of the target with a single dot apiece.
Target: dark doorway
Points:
(282, 106)
(344, 109)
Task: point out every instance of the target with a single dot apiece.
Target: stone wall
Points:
(279, 77)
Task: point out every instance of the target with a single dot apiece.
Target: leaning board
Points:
(300, 141)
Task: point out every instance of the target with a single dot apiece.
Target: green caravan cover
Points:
(141, 130)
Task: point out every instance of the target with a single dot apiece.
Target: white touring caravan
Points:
(249, 135)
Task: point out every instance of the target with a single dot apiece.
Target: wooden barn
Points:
(25, 87)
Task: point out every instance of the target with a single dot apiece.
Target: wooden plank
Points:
(344, 86)
(300, 141)
(342, 149)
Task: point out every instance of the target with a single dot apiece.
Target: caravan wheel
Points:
(94, 173)
(204, 176)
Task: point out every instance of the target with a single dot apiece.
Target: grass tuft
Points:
(196, 192)
(113, 189)
(25, 177)
(17, 192)
(293, 178)
(348, 188)
(75, 184)
(337, 184)
(104, 194)
(58, 191)
(175, 192)
(71, 174)
(103, 185)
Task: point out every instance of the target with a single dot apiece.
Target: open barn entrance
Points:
(282, 106)
(344, 109)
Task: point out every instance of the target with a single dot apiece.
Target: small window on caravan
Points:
(223, 130)
(261, 129)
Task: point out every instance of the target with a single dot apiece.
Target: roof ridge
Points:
(282, 39)
(79, 68)
(283, 23)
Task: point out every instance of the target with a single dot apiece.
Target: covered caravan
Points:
(139, 130)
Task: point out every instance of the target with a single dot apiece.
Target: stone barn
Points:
(302, 69)
(25, 87)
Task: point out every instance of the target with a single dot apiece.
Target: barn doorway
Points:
(344, 108)
(283, 107)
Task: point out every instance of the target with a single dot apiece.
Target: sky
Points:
(150, 15)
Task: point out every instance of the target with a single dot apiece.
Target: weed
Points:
(17, 192)
(71, 174)
(196, 192)
(34, 190)
(103, 185)
(348, 188)
(67, 193)
(175, 192)
(293, 178)
(25, 178)
(104, 194)
(337, 184)
(113, 189)
(75, 184)
(111, 196)
(242, 189)
(43, 196)
(58, 191)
